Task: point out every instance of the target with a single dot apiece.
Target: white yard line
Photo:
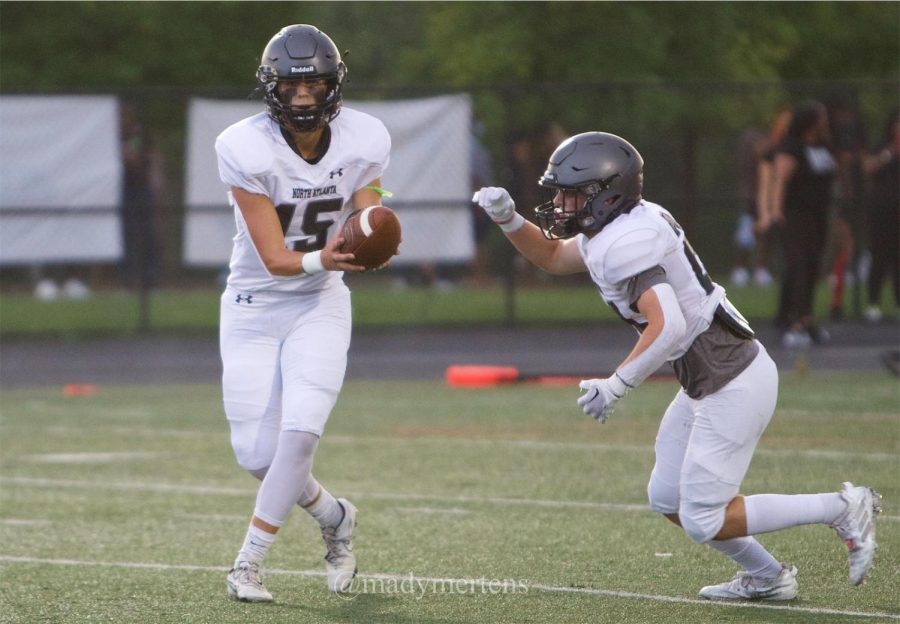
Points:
(143, 486)
(47, 408)
(500, 500)
(539, 445)
(217, 517)
(564, 446)
(434, 510)
(137, 486)
(25, 522)
(425, 581)
(89, 457)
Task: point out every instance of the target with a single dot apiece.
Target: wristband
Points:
(312, 262)
(514, 224)
(618, 385)
(381, 191)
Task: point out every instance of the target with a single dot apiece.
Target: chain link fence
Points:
(689, 134)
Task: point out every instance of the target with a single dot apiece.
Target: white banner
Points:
(60, 179)
(429, 175)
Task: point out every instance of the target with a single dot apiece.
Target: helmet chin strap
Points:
(589, 223)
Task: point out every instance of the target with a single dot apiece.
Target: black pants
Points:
(805, 237)
(885, 247)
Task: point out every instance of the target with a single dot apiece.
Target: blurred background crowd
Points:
(770, 130)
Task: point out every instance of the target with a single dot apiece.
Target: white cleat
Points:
(746, 587)
(244, 583)
(856, 527)
(340, 562)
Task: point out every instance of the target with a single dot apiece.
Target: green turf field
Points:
(501, 505)
(375, 304)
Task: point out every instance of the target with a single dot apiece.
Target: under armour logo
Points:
(336, 172)
(244, 298)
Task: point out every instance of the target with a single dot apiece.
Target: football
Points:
(372, 235)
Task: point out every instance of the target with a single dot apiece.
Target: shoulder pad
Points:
(367, 134)
(246, 148)
(635, 250)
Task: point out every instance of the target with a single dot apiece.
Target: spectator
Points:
(849, 142)
(754, 231)
(884, 218)
(528, 159)
(804, 172)
(751, 147)
(140, 266)
(768, 229)
(482, 174)
(51, 283)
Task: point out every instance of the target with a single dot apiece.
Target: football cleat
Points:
(340, 562)
(746, 587)
(856, 527)
(245, 583)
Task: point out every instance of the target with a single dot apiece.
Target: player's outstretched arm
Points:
(559, 257)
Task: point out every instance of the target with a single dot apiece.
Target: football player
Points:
(294, 173)
(596, 220)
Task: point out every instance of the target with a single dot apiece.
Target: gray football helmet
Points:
(297, 52)
(605, 168)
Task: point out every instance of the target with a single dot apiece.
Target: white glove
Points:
(601, 396)
(500, 207)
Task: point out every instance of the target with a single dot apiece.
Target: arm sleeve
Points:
(644, 365)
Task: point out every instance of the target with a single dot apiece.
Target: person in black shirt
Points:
(884, 217)
(804, 172)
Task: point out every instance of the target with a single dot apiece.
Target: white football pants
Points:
(704, 448)
(284, 356)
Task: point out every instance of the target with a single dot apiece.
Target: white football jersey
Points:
(312, 200)
(646, 237)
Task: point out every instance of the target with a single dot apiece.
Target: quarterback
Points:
(294, 173)
(596, 220)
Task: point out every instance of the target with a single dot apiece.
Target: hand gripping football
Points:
(372, 235)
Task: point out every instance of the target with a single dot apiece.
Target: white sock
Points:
(750, 555)
(324, 508)
(772, 512)
(256, 544)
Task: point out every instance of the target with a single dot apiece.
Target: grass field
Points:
(127, 506)
(375, 304)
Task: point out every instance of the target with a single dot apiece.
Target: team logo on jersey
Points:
(302, 193)
(336, 172)
(244, 299)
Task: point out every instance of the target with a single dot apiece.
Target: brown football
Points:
(372, 235)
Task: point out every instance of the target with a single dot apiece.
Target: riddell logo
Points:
(303, 69)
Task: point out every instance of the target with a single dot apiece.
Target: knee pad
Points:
(254, 436)
(662, 496)
(701, 521)
(308, 408)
